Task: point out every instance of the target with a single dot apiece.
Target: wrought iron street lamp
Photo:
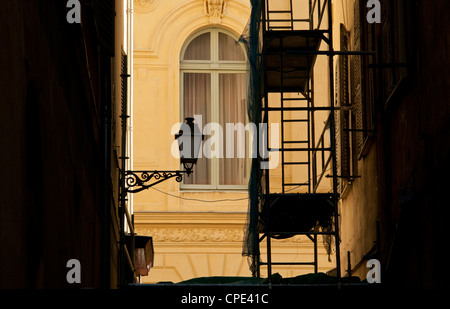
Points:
(189, 140)
(189, 143)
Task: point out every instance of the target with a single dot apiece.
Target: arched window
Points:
(213, 85)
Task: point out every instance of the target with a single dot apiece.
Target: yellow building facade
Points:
(187, 61)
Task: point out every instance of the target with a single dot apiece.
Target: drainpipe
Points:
(130, 86)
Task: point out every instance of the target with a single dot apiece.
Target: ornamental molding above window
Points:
(215, 10)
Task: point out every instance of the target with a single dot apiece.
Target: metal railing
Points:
(283, 19)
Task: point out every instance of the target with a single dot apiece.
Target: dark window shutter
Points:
(345, 115)
(338, 125)
(124, 84)
(357, 89)
(343, 154)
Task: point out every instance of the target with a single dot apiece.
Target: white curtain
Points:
(199, 48)
(229, 49)
(232, 110)
(197, 101)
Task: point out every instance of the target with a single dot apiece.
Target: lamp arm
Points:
(136, 181)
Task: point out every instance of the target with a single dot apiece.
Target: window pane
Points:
(199, 48)
(197, 101)
(232, 109)
(229, 49)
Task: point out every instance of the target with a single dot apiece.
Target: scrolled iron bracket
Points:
(136, 181)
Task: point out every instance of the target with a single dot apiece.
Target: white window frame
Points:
(213, 67)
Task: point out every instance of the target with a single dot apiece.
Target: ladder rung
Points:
(279, 20)
(280, 27)
(296, 163)
(287, 263)
(296, 120)
(279, 11)
(298, 108)
(296, 142)
(296, 184)
(295, 99)
(301, 149)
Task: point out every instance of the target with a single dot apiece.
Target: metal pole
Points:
(123, 192)
(269, 258)
(333, 140)
(316, 260)
(265, 120)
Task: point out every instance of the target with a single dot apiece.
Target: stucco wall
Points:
(192, 237)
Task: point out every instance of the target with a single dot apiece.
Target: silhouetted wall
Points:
(414, 153)
(54, 87)
(397, 209)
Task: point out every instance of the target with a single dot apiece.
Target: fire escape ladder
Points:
(298, 206)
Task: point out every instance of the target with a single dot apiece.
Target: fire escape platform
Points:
(295, 51)
(286, 215)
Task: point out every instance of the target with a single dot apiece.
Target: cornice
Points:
(143, 53)
(170, 218)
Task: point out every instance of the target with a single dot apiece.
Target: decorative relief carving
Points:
(204, 235)
(193, 235)
(215, 10)
(145, 6)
